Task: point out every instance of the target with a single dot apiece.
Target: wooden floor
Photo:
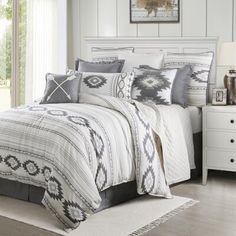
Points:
(214, 215)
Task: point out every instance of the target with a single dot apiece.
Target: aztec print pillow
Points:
(116, 85)
(201, 65)
(99, 67)
(153, 85)
(180, 86)
(61, 88)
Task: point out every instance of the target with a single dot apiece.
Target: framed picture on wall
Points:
(154, 11)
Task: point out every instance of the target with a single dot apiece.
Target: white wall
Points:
(110, 18)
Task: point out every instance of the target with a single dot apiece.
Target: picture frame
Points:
(154, 11)
(219, 96)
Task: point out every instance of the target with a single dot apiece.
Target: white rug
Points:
(131, 218)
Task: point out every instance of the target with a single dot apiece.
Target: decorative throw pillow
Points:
(99, 67)
(153, 85)
(201, 65)
(180, 86)
(115, 85)
(61, 88)
(133, 60)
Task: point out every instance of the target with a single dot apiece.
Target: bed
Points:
(126, 188)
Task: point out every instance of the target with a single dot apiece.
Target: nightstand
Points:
(219, 139)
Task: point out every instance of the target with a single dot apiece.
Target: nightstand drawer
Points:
(222, 160)
(221, 139)
(217, 120)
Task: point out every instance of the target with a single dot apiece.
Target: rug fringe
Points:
(163, 219)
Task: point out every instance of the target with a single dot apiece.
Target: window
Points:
(32, 43)
(5, 52)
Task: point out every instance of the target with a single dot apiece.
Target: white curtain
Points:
(45, 44)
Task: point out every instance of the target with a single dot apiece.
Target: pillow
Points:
(136, 59)
(100, 67)
(109, 54)
(153, 85)
(198, 84)
(61, 88)
(115, 85)
(180, 86)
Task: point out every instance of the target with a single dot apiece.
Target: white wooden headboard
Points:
(155, 45)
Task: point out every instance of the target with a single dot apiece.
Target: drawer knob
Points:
(232, 160)
(232, 121)
(232, 140)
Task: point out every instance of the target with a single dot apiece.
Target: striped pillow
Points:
(201, 65)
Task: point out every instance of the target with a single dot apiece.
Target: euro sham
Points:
(201, 65)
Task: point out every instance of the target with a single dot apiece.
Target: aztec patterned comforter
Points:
(76, 150)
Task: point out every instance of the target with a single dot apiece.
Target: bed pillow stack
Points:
(201, 66)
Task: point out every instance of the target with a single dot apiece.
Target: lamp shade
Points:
(228, 54)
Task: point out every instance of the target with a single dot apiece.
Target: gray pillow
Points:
(153, 85)
(99, 67)
(180, 86)
(61, 88)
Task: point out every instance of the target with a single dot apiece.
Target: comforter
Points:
(69, 150)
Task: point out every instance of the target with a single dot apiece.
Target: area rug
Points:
(132, 218)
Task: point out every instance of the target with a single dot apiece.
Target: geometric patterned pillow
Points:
(108, 84)
(201, 66)
(153, 85)
(61, 88)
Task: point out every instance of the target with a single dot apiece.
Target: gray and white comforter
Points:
(76, 150)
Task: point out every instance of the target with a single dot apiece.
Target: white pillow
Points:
(109, 54)
(133, 60)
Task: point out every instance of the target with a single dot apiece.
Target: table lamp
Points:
(228, 58)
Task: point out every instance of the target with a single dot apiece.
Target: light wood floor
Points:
(214, 215)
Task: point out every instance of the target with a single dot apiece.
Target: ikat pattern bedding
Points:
(75, 151)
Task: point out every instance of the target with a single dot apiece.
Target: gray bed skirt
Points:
(110, 197)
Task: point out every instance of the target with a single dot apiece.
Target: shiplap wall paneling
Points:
(88, 21)
(148, 30)
(219, 19)
(194, 18)
(73, 32)
(219, 23)
(172, 29)
(234, 25)
(107, 17)
(125, 29)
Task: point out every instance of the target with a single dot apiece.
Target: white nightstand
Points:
(219, 139)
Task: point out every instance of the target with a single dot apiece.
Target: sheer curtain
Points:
(45, 44)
